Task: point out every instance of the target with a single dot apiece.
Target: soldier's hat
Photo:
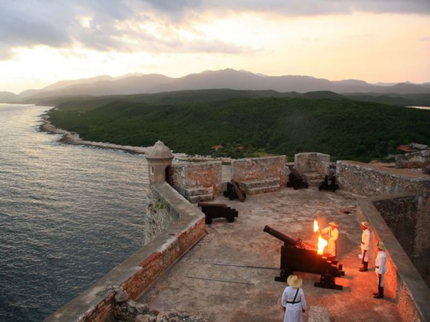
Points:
(381, 245)
(333, 223)
(294, 281)
(365, 224)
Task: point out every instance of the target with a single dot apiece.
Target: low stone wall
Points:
(402, 280)
(260, 174)
(419, 159)
(400, 215)
(312, 162)
(421, 255)
(196, 179)
(144, 267)
(160, 215)
(370, 180)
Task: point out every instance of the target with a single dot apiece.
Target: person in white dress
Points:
(333, 234)
(365, 246)
(293, 300)
(380, 270)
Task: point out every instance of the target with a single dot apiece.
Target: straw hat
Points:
(333, 223)
(381, 245)
(365, 224)
(294, 281)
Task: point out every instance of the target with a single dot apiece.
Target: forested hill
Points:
(343, 128)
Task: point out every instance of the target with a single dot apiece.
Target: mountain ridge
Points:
(210, 79)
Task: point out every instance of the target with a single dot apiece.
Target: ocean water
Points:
(68, 215)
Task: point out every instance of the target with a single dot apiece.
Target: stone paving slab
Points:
(229, 274)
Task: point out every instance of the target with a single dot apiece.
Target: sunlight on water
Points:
(68, 215)
(419, 107)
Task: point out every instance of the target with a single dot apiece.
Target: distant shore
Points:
(74, 139)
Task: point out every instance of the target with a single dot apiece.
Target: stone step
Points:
(198, 191)
(312, 178)
(254, 191)
(200, 198)
(260, 183)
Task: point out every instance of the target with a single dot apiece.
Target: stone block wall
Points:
(370, 180)
(196, 175)
(419, 159)
(160, 215)
(312, 162)
(399, 212)
(144, 267)
(260, 169)
(402, 280)
(422, 239)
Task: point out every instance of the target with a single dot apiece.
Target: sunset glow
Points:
(324, 39)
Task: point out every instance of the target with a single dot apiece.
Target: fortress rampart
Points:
(174, 225)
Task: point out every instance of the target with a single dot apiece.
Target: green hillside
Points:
(247, 126)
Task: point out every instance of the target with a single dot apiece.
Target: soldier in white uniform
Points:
(380, 269)
(333, 235)
(293, 300)
(365, 246)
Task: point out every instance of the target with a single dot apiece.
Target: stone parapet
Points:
(259, 173)
(419, 159)
(312, 162)
(370, 180)
(189, 178)
(144, 267)
(403, 282)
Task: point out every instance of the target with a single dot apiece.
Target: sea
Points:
(68, 214)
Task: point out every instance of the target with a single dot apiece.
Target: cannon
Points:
(295, 180)
(329, 183)
(233, 191)
(298, 256)
(217, 210)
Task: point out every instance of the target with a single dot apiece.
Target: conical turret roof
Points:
(159, 151)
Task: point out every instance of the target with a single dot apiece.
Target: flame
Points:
(322, 243)
(316, 227)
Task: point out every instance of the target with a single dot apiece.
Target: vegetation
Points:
(247, 123)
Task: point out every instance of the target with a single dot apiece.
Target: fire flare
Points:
(322, 243)
(315, 226)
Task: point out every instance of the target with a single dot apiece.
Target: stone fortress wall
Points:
(259, 175)
(419, 159)
(196, 181)
(397, 207)
(174, 224)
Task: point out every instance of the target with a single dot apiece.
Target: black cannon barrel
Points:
(286, 239)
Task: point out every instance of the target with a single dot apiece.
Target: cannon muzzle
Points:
(288, 241)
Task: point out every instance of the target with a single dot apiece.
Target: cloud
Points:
(116, 25)
(323, 7)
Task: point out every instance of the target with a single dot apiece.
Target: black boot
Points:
(364, 267)
(380, 294)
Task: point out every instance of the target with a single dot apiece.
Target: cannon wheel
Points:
(230, 219)
(208, 220)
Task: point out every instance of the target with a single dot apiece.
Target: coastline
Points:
(74, 139)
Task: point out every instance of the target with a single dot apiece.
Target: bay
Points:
(68, 214)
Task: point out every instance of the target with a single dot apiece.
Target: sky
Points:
(45, 41)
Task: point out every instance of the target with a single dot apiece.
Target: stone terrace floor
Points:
(192, 285)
